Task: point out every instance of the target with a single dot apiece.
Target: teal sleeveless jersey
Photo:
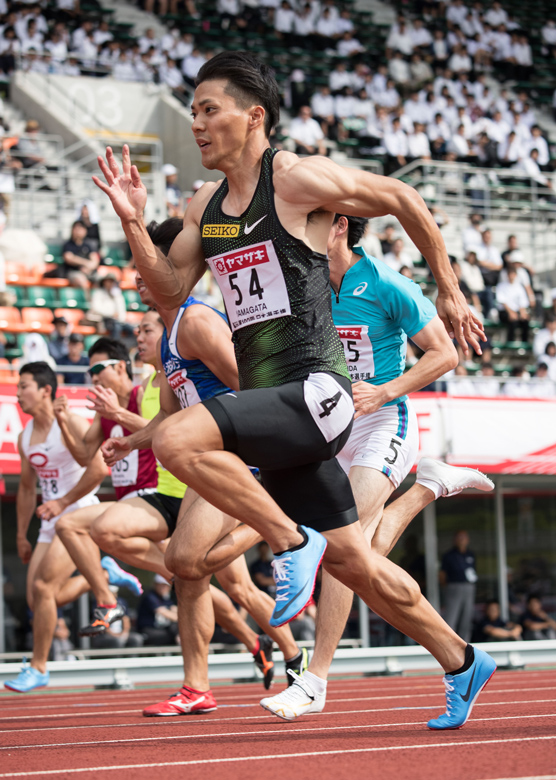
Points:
(275, 288)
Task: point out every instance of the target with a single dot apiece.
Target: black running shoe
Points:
(298, 665)
(263, 660)
(103, 617)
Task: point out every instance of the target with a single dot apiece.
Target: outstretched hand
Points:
(460, 322)
(126, 190)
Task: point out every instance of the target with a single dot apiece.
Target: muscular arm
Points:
(440, 356)
(25, 505)
(204, 335)
(314, 184)
(82, 441)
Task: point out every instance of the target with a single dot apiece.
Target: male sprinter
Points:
(263, 230)
(65, 486)
(375, 309)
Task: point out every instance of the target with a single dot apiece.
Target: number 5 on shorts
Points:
(393, 444)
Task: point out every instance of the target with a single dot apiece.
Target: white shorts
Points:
(387, 440)
(48, 527)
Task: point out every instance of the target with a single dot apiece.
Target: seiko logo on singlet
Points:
(220, 231)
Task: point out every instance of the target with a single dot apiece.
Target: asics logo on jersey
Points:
(248, 228)
(361, 289)
(220, 231)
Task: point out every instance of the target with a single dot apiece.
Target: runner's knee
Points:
(184, 566)
(104, 534)
(41, 589)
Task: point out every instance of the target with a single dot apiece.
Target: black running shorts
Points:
(292, 433)
(168, 506)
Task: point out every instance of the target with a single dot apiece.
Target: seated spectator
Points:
(87, 213)
(397, 148)
(418, 143)
(62, 645)
(542, 384)
(549, 359)
(349, 46)
(459, 145)
(107, 308)
(460, 384)
(493, 628)
(510, 150)
(490, 259)
(387, 238)
(30, 149)
(157, 615)
(170, 75)
(471, 297)
(74, 359)
(339, 77)
(545, 335)
(191, 65)
(538, 142)
(307, 133)
(174, 200)
(486, 384)
(548, 37)
(397, 258)
(399, 40)
(472, 236)
(537, 624)
(58, 343)
(398, 70)
(520, 386)
(80, 260)
(261, 569)
(322, 107)
(529, 165)
(513, 305)
(325, 31)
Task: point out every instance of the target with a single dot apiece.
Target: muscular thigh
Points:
(187, 431)
(83, 518)
(199, 527)
(132, 517)
(371, 490)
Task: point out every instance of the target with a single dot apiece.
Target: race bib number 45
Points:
(358, 351)
(252, 284)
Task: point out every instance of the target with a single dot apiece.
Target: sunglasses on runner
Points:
(96, 368)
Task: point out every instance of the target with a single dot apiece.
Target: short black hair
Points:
(250, 82)
(163, 235)
(356, 228)
(78, 222)
(43, 375)
(116, 350)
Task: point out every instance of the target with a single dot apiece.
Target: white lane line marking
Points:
(255, 703)
(273, 756)
(159, 738)
(199, 720)
(535, 777)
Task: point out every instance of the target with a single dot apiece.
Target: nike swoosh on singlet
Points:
(248, 228)
(468, 694)
(280, 612)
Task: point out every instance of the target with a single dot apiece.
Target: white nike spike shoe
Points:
(299, 699)
(452, 479)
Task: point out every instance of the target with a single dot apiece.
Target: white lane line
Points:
(414, 696)
(274, 756)
(220, 735)
(535, 777)
(199, 721)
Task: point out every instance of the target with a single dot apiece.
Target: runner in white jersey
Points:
(65, 486)
(375, 309)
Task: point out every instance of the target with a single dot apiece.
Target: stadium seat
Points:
(37, 320)
(128, 278)
(10, 319)
(14, 349)
(42, 296)
(103, 270)
(18, 273)
(73, 298)
(74, 316)
(115, 257)
(133, 301)
(88, 341)
(134, 317)
(7, 373)
(21, 298)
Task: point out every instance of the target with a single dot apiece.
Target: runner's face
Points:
(220, 126)
(109, 377)
(149, 331)
(29, 394)
(144, 293)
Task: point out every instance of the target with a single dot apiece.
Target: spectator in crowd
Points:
(545, 335)
(174, 200)
(537, 624)
(549, 359)
(529, 165)
(74, 359)
(486, 385)
(397, 148)
(322, 107)
(398, 70)
(471, 297)
(261, 569)
(540, 143)
(472, 236)
(80, 260)
(58, 344)
(542, 384)
(87, 213)
(108, 309)
(460, 384)
(458, 577)
(519, 386)
(398, 258)
(30, 149)
(387, 238)
(157, 615)
(493, 628)
(62, 645)
(490, 263)
(473, 278)
(119, 633)
(513, 306)
(307, 133)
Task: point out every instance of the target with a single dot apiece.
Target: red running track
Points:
(370, 728)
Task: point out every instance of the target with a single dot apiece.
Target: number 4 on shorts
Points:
(329, 403)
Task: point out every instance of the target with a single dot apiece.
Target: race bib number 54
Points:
(252, 284)
(358, 351)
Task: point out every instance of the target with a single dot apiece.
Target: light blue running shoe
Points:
(295, 574)
(121, 577)
(28, 679)
(462, 691)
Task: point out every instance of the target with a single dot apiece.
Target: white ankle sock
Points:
(437, 489)
(317, 684)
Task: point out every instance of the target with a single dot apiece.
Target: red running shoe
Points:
(185, 702)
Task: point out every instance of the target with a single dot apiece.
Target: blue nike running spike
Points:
(28, 679)
(121, 577)
(462, 691)
(295, 574)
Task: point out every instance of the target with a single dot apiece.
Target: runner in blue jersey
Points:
(198, 362)
(375, 310)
